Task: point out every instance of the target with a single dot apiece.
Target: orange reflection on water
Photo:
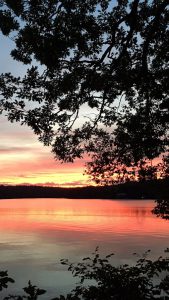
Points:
(80, 215)
(36, 233)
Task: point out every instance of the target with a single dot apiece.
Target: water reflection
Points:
(36, 233)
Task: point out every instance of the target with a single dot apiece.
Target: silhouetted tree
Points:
(163, 167)
(147, 172)
(106, 168)
(98, 59)
(5, 280)
(162, 208)
(106, 281)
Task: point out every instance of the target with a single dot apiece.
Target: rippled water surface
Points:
(36, 233)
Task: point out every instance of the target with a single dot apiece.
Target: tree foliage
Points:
(97, 76)
(162, 209)
(106, 169)
(5, 280)
(100, 279)
(121, 282)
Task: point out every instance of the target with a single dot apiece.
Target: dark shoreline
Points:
(154, 189)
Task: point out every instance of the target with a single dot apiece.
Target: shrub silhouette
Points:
(99, 279)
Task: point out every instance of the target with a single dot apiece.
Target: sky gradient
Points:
(23, 159)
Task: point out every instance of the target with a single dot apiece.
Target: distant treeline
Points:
(132, 190)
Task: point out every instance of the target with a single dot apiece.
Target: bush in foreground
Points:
(145, 280)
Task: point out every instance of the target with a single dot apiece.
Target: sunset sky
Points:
(23, 159)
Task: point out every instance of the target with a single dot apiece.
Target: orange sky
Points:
(23, 159)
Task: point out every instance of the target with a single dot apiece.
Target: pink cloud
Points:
(52, 184)
(4, 150)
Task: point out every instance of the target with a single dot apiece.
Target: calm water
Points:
(36, 233)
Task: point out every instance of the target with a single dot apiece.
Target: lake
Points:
(36, 233)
